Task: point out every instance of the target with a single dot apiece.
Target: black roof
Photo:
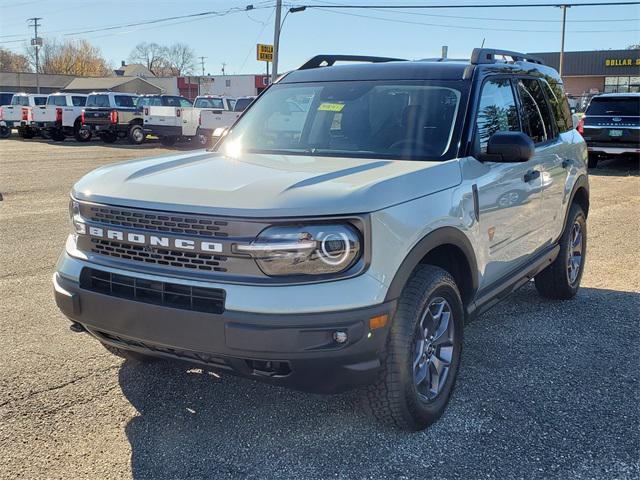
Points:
(431, 69)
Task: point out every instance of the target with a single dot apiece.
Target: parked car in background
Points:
(220, 114)
(5, 99)
(611, 126)
(62, 117)
(114, 115)
(19, 114)
(170, 118)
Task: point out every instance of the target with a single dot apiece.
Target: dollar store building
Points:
(598, 71)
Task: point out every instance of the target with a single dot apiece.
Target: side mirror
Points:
(575, 118)
(509, 147)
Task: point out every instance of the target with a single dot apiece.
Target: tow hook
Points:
(77, 328)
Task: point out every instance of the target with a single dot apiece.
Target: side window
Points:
(559, 105)
(124, 101)
(78, 101)
(497, 111)
(185, 103)
(535, 111)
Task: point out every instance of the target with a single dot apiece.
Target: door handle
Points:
(531, 175)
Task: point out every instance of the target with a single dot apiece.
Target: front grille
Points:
(160, 256)
(158, 222)
(174, 295)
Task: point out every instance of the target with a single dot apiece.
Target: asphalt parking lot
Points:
(547, 389)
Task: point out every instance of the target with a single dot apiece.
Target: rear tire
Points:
(130, 355)
(109, 137)
(561, 279)
(422, 353)
(204, 141)
(26, 133)
(57, 136)
(80, 133)
(168, 141)
(136, 135)
(593, 160)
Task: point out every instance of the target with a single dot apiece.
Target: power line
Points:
(493, 19)
(461, 27)
(489, 5)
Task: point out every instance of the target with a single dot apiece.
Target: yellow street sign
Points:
(264, 52)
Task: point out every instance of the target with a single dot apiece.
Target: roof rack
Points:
(329, 60)
(488, 55)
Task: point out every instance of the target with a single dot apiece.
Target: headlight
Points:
(305, 250)
(77, 224)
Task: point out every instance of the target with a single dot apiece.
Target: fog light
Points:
(340, 337)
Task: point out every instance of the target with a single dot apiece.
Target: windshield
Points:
(215, 103)
(20, 100)
(98, 100)
(242, 104)
(623, 106)
(391, 119)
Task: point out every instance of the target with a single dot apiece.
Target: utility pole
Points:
(564, 24)
(276, 41)
(202, 63)
(36, 42)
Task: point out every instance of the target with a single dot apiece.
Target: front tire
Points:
(422, 353)
(561, 279)
(135, 357)
(169, 141)
(109, 137)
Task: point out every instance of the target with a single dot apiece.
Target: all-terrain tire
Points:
(558, 281)
(394, 399)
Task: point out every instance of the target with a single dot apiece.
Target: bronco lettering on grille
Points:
(155, 240)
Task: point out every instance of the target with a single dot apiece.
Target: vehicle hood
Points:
(260, 185)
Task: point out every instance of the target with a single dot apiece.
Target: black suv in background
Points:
(611, 126)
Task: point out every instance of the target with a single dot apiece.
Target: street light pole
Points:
(36, 44)
(276, 41)
(564, 24)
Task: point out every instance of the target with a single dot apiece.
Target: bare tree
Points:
(151, 55)
(180, 59)
(13, 62)
(72, 57)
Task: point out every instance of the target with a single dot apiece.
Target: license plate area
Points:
(615, 133)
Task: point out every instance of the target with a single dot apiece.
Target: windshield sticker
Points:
(331, 107)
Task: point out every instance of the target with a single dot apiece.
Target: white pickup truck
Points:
(169, 117)
(215, 120)
(62, 117)
(20, 113)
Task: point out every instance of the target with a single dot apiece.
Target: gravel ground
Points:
(546, 390)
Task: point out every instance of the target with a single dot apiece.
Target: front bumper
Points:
(296, 350)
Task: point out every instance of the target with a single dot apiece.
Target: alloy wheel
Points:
(574, 258)
(433, 349)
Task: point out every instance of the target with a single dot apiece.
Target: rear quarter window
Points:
(124, 101)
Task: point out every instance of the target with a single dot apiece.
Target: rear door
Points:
(509, 202)
(552, 153)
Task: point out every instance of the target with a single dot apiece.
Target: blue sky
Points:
(231, 38)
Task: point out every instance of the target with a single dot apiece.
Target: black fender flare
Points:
(434, 239)
(581, 182)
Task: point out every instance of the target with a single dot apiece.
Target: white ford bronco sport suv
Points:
(349, 224)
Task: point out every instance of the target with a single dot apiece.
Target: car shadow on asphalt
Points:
(617, 167)
(532, 379)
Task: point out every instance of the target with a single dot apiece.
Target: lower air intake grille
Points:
(174, 295)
